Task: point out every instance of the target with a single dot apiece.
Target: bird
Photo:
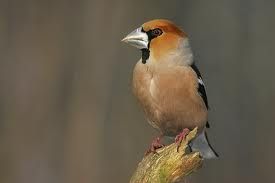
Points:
(169, 86)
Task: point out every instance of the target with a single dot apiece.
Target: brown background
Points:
(66, 109)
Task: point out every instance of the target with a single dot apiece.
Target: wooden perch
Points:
(168, 165)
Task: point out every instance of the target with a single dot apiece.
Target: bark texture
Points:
(168, 165)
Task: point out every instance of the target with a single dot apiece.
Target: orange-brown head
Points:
(157, 38)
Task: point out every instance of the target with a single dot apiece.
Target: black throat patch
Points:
(145, 55)
(151, 35)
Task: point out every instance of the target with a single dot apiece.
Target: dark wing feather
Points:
(201, 88)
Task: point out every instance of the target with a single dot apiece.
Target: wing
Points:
(201, 88)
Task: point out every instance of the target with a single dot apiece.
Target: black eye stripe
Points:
(154, 33)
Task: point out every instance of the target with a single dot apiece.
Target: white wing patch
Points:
(200, 81)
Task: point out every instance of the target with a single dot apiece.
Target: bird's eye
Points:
(156, 32)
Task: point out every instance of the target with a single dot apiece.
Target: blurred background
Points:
(67, 113)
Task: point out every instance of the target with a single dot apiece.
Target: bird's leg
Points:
(156, 144)
(180, 137)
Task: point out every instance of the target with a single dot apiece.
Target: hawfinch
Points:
(168, 84)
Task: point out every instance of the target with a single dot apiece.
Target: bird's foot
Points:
(180, 137)
(156, 144)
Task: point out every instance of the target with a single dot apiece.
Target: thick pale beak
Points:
(137, 38)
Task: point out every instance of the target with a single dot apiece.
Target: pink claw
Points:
(156, 144)
(180, 137)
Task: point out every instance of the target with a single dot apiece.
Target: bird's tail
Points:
(201, 144)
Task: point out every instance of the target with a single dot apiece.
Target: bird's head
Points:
(159, 39)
